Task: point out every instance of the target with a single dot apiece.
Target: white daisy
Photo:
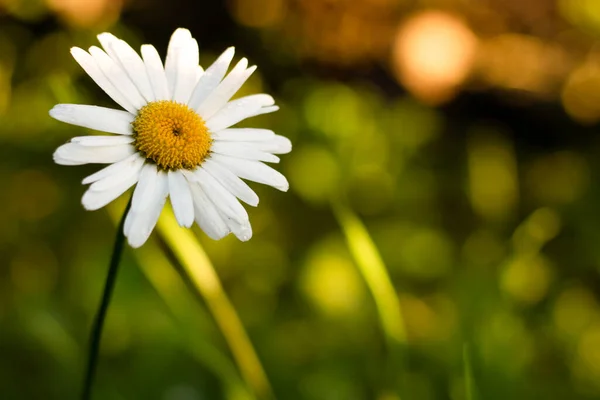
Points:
(174, 139)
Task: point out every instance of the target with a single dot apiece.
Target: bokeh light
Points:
(86, 13)
(433, 54)
(492, 175)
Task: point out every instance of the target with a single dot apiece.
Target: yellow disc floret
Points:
(171, 134)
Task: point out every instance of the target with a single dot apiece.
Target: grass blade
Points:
(374, 272)
(197, 265)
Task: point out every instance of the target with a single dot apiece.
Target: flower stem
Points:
(109, 285)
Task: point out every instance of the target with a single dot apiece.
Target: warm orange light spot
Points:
(87, 13)
(171, 134)
(433, 53)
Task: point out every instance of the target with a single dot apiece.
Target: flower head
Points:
(174, 138)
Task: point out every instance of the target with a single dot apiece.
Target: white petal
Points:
(243, 135)
(89, 65)
(113, 169)
(277, 145)
(265, 110)
(227, 204)
(76, 154)
(106, 40)
(226, 89)
(130, 61)
(145, 187)
(118, 77)
(242, 150)
(112, 180)
(207, 216)
(210, 78)
(92, 141)
(181, 198)
(238, 110)
(252, 170)
(95, 199)
(199, 73)
(140, 224)
(177, 45)
(242, 230)
(231, 182)
(187, 71)
(156, 72)
(92, 117)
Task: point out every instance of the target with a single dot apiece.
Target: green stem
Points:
(109, 285)
(202, 274)
(371, 267)
(376, 276)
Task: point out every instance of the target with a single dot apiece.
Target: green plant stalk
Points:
(374, 272)
(109, 285)
(184, 309)
(170, 287)
(197, 265)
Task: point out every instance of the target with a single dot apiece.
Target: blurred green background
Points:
(462, 133)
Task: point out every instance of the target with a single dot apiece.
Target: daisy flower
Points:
(174, 137)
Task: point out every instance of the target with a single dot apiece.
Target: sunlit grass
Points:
(176, 296)
(372, 268)
(198, 267)
(189, 318)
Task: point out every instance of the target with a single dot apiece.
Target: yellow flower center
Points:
(171, 134)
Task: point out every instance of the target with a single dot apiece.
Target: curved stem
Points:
(202, 274)
(109, 285)
(374, 272)
(376, 276)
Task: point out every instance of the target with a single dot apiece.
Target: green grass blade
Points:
(374, 272)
